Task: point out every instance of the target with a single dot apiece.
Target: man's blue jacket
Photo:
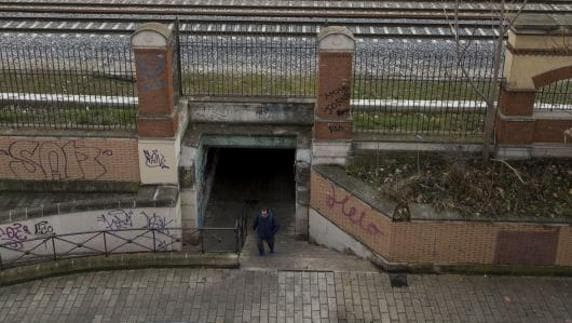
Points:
(265, 227)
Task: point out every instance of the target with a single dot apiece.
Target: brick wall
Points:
(441, 242)
(68, 159)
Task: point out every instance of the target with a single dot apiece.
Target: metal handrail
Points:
(53, 247)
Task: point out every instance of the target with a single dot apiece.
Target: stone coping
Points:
(418, 212)
(539, 24)
(252, 99)
(115, 262)
(147, 196)
(69, 133)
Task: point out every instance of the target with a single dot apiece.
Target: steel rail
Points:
(269, 10)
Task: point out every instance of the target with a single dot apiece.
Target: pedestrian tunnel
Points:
(244, 180)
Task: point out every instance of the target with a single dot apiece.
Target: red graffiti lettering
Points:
(352, 212)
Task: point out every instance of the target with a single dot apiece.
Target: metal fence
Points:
(555, 97)
(67, 87)
(420, 93)
(247, 66)
(53, 247)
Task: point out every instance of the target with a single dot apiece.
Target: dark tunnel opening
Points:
(245, 180)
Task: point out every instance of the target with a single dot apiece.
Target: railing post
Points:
(105, 243)
(237, 239)
(54, 247)
(1, 262)
(202, 240)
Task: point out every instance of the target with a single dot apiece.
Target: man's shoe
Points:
(261, 254)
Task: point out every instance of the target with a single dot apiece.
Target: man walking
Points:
(265, 225)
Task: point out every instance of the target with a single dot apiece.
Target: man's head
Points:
(264, 212)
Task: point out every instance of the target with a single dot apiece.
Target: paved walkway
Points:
(195, 295)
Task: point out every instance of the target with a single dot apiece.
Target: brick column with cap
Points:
(333, 118)
(538, 53)
(159, 120)
(154, 49)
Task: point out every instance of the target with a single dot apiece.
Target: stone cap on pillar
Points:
(336, 39)
(151, 35)
(542, 24)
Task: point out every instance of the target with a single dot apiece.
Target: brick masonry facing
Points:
(69, 159)
(441, 242)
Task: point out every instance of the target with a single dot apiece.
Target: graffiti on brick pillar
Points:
(117, 219)
(335, 128)
(356, 216)
(336, 101)
(151, 71)
(53, 160)
(154, 158)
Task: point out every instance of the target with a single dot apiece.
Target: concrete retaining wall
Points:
(17, 236)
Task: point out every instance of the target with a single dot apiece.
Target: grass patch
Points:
(460, 183)
(66, 82)
(467, 123)
(68, 116)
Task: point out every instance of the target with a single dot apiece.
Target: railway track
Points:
(295, 18)
(292, 28)
(300, 8)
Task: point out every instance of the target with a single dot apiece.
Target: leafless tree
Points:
(502, 14)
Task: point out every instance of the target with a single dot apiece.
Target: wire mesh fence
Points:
(256, 65)
(67, 87)
(555, 97)
(421, 93)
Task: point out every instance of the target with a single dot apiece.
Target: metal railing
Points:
(420, 93)
(67, 87)
(247, 66)
(555, 97)
(52, 247)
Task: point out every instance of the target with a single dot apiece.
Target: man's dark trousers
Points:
(260, 244)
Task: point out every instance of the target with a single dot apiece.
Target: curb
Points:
(114, 262)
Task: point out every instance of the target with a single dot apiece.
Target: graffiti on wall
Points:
(120, 219)
(358, 217)
(54, 160)
(116, 219)
(337, 101)
(13, 236)
(154, 158)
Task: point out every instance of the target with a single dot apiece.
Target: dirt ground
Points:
(469, 186)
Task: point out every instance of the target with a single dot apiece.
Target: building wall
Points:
(436, 242)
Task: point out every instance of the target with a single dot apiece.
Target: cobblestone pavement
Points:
(211, 295)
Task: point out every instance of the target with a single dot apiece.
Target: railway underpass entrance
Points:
(245, 180)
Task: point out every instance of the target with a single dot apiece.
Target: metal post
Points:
(178, 48)
(237, 240)
(1, 263)
(105, 244)
(202, 240)
(54, 247)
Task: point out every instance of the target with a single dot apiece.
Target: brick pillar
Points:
(333, 118)
(538, 53)
(515, 124)
(158, 119)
